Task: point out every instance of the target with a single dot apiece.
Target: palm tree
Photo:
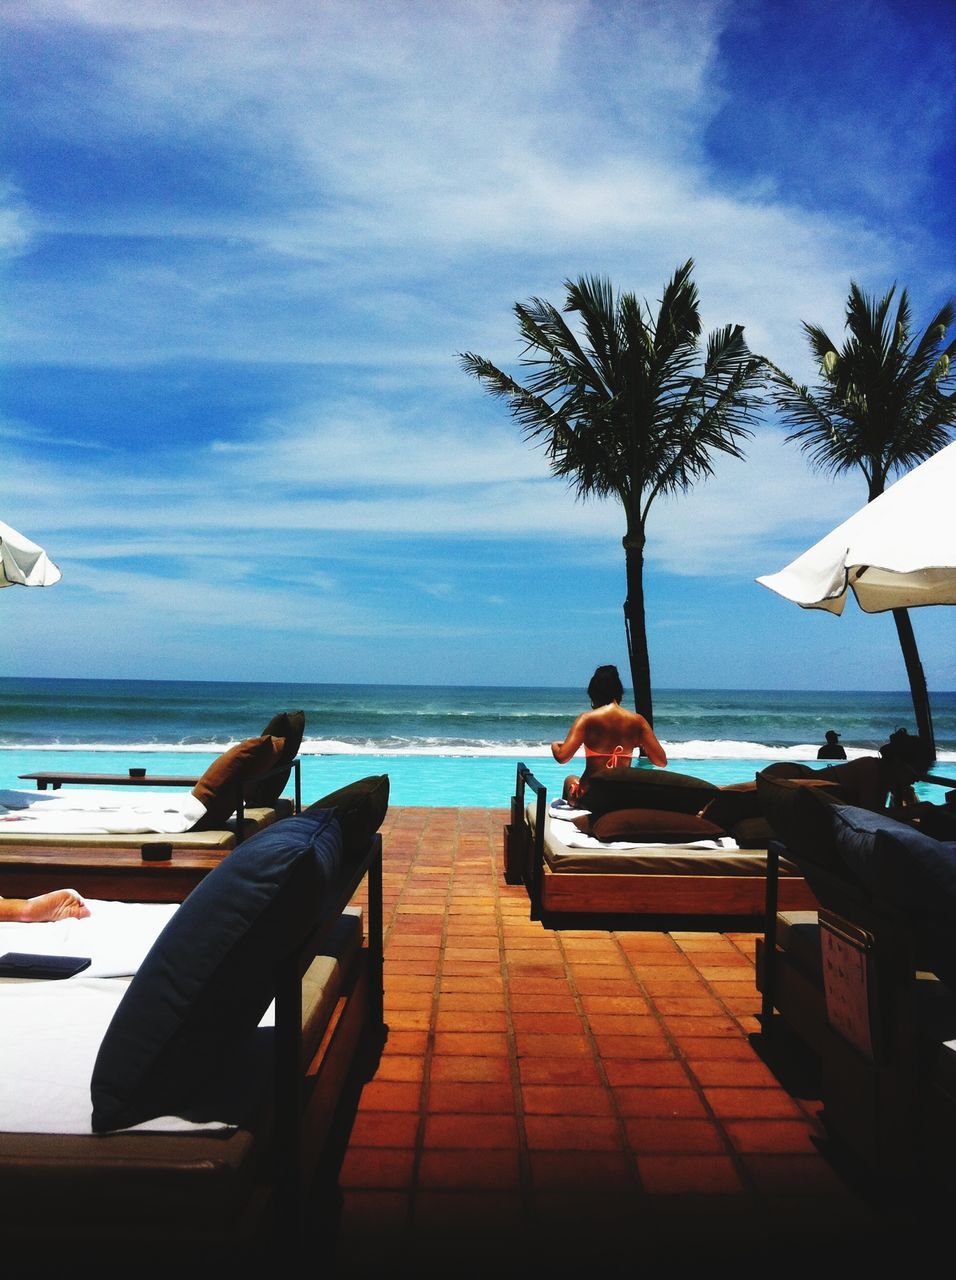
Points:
(622, 411)
(881, 405)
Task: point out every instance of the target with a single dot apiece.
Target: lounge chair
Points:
(231, 1169)
(868, 982)
(168, 844)
(663, 858)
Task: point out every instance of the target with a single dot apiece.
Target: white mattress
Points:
(50, 1031)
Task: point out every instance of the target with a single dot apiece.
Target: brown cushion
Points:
(659, 826)
(794, 809)
(289, 726)
(752, 833)
(790, 769)
(733, 804)
(221, 786)
(360, 807)
(640, 788)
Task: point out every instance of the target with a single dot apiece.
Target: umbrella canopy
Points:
(897, 552)
(23, 563)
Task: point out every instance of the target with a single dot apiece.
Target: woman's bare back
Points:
(609, 735)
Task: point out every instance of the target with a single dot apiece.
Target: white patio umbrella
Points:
(23, 563)
(897, 552)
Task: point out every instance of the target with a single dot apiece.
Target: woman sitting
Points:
(609, 734)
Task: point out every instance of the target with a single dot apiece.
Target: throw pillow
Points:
(795, 809)
(360, 807)
(654, 826)
(907, 870)
(733, 804)
(752, 833)
(223, 783)
(790, 769)
(210, 976)
(639, 788)
(289, 726)
(897, 862)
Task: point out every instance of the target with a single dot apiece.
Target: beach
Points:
(440, 745)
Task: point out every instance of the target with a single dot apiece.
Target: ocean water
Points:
(440, 745)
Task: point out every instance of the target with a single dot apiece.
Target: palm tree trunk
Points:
(635, 625)
(911, 658)
(917, 678)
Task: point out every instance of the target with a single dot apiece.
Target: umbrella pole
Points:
(917, 679)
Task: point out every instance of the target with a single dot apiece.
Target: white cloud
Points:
(751, 514)
(16, 230)
(356, 191)
(413, 157)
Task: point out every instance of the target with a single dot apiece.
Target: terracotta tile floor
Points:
(565, 1097)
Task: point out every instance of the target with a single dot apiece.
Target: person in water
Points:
(609, 734)
(832, 749)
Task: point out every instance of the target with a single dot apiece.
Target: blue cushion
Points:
(200, 993)
(909, 871)
(897, 862)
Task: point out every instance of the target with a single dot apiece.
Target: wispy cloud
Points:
(316, 207)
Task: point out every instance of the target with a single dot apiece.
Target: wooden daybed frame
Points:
(881, 1027)
(557, 895)
(128, 868)
(245, 821)
(189, 1196)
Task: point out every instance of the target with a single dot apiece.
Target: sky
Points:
(244, 244)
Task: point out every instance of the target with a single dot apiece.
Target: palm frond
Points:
(678, 317)
(881, 404)
(592, 298)
(631, 406)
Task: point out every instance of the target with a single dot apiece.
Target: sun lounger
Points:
(695, 877)
(177, 826)
(238, 794)
(128, 864)
(119, 823)
(866, 983)
(226, 1164)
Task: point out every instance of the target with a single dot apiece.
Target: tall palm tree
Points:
(884, 403)
(626, 410)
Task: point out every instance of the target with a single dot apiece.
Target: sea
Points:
(440, 745)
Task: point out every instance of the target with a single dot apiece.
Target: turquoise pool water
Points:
(485, 782)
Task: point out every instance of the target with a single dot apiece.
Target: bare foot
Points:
(61, 904)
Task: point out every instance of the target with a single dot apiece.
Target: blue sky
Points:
(243, 244)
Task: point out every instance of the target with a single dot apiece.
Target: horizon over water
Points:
(440, 744)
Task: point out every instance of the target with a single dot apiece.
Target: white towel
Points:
(561, 809)
(98, 812)
(569, 835)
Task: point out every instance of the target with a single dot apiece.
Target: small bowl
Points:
(137, 773)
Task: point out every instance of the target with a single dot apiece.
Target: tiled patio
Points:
(570, 1096)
